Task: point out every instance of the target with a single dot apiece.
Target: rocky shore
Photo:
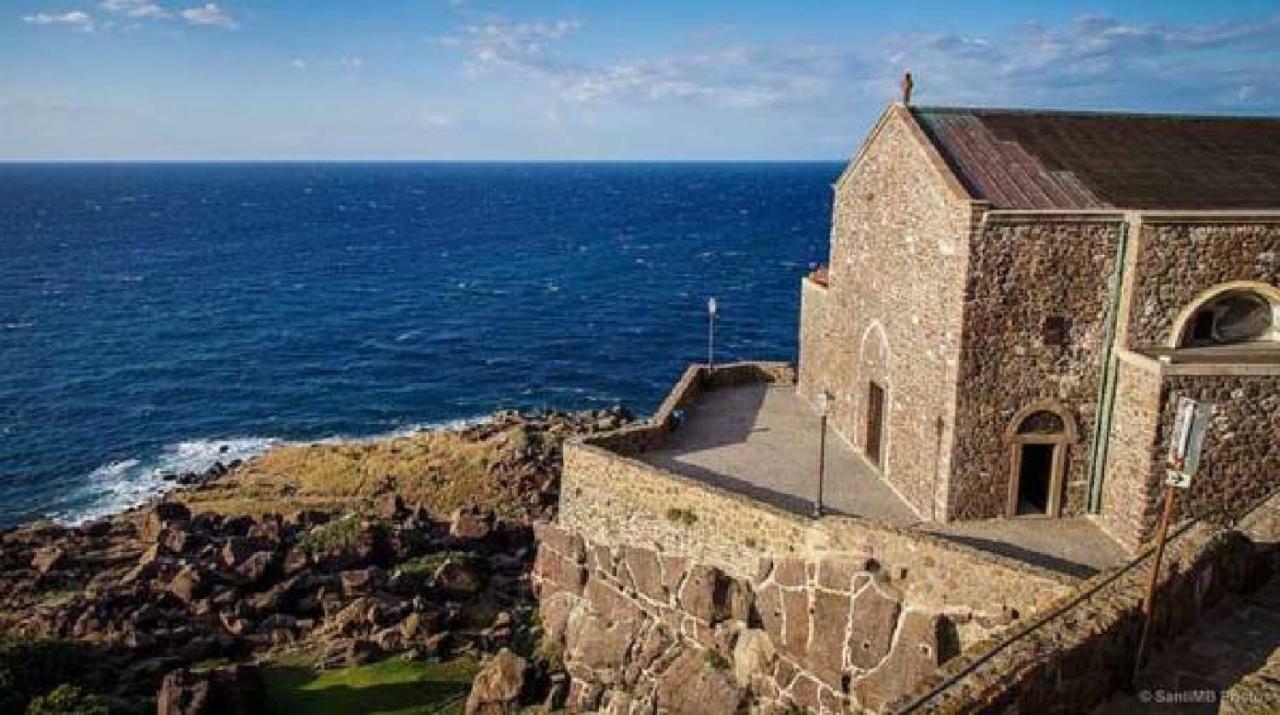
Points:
(334, 555)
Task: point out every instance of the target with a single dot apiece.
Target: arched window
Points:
(1231, 317)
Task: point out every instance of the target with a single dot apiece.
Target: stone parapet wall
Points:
(644, 630)
(1076, 653)
(696, 379)
(615, 500)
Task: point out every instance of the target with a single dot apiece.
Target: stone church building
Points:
(1015, 300)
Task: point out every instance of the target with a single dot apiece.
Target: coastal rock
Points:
(359, 581)
(470, 524)
(497, 688)
(187, 584)
(234, 690)
(456, 579)
(160, 516)
(48, 559)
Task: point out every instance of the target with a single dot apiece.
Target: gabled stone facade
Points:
(993, 356)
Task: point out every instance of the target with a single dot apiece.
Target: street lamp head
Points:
(712, 309)
(823, 402)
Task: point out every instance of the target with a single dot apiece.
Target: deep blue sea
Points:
(156, 317)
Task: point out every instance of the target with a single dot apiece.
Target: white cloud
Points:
(209, 14)
(1090, 61)
(352, 62)
(140, 9)
(298, 63)
(435, 120)
(77, 19)
(526, 47)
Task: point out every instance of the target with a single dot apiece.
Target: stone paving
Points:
(1229, 663)
(762, 440)
(1074, 546)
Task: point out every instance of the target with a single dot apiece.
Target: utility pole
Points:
(1189, 430)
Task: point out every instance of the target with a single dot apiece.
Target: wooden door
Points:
(875, 423)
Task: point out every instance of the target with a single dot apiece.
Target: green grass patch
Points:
(421, 569)
(686, 517)
(389, 687)
(336, 535)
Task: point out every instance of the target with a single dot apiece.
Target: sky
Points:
(570, 80)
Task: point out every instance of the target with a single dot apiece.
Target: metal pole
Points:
(1149, 601)
(711, 340)
(822, 465)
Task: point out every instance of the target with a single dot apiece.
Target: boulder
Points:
(234, 690)
(256, 567)
(235, 552)
(389, 505)
(456, 578)
(496, 690)
(160, 516)
(187, 585)
(175, 538)
(48, 559)
(359, 581)
(470, 524)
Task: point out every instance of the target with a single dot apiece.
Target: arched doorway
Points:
(1039, 438)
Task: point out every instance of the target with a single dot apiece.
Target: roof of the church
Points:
(1034, 159)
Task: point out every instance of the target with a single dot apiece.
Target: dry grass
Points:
(441, 470)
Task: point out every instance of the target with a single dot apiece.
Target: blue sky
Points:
(661, 79)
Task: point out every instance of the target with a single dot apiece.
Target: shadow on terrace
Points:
(743, 428)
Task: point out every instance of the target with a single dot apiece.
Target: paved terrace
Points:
(761, 440)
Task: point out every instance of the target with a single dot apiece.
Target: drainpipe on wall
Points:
(1107, 390)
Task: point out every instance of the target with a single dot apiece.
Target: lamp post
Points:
(824, 406)
(712, 311)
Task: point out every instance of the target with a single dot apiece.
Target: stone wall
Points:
(1240, 462)
(644, 630)
(614, 500)
(1131, 481)
(652, 434)
(1030, 276)
(1180, 257)
(899, 234)
(1079, 651)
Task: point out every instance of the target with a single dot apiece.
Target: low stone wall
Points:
(650, 572)
(1082, 649)
(697, 378)
(643, 631)
(663, 591)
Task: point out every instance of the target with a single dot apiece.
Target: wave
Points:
(124, 484)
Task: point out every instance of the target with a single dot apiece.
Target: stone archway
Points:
(1039, 437)
(1234, 313)
(873, 399)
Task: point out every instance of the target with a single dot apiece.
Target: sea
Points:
(159, 317)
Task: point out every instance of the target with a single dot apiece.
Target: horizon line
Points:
(4, 161)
